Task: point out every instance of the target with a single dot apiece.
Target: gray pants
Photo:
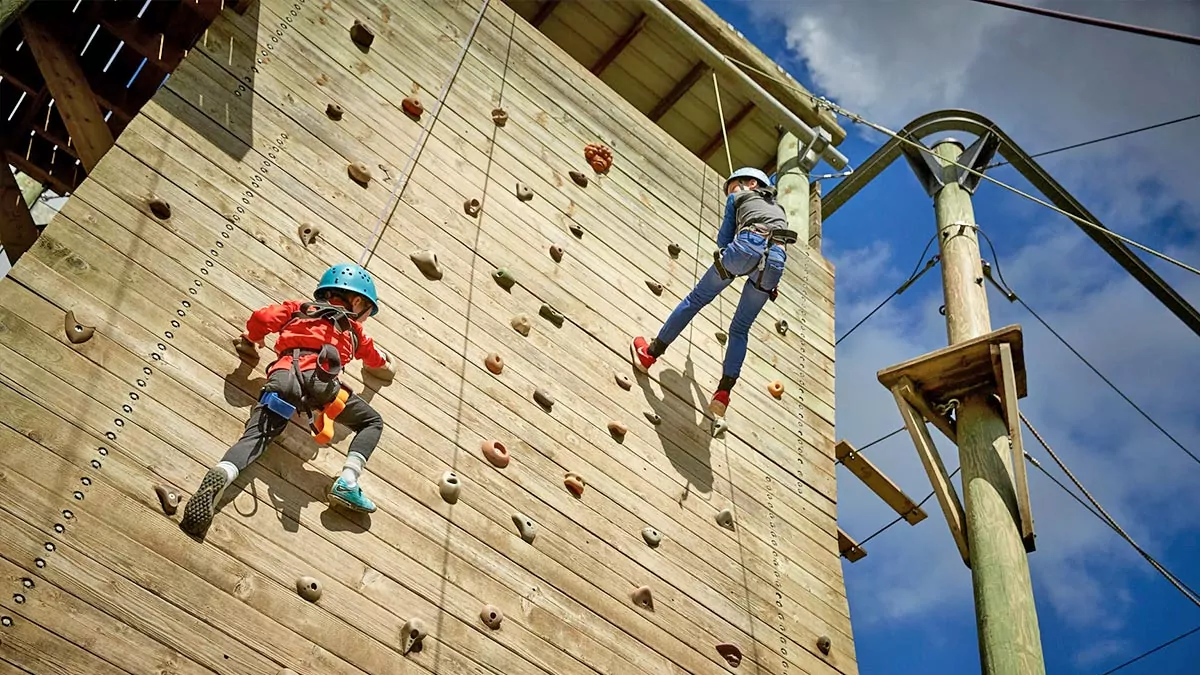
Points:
(265, 426)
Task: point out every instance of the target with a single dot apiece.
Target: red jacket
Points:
(309, 334)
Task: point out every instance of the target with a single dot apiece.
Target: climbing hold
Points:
(504, 278)
(427, 262)
(781, 326)
(245, 347)
(652, 536)
(77, 333)
(308, 588)
(472, 207)
(824, 644)
(579, 177)
(412, 106)
(494, 363)
(362, 36)
(722, 336)
(556, 252)
(577, 230)
(359, 173)
(642, 598)
(623, 381)
(674, 250)
(496, 453)
(334, 111)
(308, 233)
(491, 616)
(411, 635)
(653, 417)
(523, 192)
(543, 398)
(617, 429)
(168, 499)
(552, 315)
(525, 526)
(520, 323)
(733, 655)
(449, 487)
(499, 116)
(159, 207)
(725, 518)
(655, 287)
(574, 483)
(776, 389)
(599, 156)
(719, 426)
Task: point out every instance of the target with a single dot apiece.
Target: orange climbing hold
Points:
(575, 483)
(496, 453)
(775, 389)
(412, 106)
(494, 363)
(599, 156)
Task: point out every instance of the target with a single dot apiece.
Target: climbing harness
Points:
(775, 236)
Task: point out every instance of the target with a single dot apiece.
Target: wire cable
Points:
(876, 533)
(1100, 140)
(1091, 21)
(1148, 652)
(917, 273)
(859, 451)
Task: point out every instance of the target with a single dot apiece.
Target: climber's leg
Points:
(367, 426)
(749, 306)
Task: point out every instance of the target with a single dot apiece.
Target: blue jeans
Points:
(741, 257)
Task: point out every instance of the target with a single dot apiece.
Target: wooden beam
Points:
(619, 46)
(1002, 361)
(917, 400)
(698, 71)
(68, 84)
(17, 231)
(942, 487)
(880, 484)
(544, 12)
(848, 548)
(730, 126)
(60, 185)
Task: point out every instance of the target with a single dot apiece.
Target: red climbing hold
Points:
(733, 655)
(599, 156)
(412, 106)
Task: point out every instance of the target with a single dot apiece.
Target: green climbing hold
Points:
(504, 278)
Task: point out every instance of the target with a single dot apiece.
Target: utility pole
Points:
(1009, 641)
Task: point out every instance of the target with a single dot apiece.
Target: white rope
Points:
(721, 114)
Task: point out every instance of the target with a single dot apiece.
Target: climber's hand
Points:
(386, 372)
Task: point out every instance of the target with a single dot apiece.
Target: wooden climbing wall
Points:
(98, 580)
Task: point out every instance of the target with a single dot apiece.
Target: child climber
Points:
(315, 340)
(749, 243)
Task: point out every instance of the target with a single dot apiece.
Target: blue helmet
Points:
(349, 277)
(749, 172)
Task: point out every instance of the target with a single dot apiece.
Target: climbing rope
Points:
(822, 102)
(405, 174)
(721, 115)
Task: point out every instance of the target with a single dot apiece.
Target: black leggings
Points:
(265, 426)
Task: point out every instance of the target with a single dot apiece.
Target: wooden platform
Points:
(239, 144)
(953, 371)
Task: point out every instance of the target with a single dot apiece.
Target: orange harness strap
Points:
(322, 426)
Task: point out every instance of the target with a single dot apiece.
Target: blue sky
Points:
(1048, 83)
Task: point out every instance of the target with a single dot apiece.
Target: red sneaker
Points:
(641, 356)
(719, 403)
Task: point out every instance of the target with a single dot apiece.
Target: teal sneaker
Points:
(350, 497)
(198, 513)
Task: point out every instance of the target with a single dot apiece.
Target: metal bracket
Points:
(925, 165)
(978, 156)
(810, 153)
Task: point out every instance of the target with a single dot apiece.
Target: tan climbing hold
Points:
(577, 230)
(655, 287)
(623, 381)
(674, 250)
(575, 483)
(643, 598)
(359, 173)
(245, 347)
(309, 588)
(159, 207)
(168, 499)
(781, 326)
(525, 526)
(552, 315)
(725, 518)
(472, 207)
(653, 417)
(411, 635)
(449, 487)
(521, 324)
(491, 616)
(775, 389)
(77, 333)
(617, 429)
(731, 653)
(494, 363)
(499, 116)
(824, 644)
(427, 263)
(652, 537)
(308, 233)
(579, 177)
(556, 252)
(722, 336)
(543, 398)
(361, 35)
(524, 193)
(334, 111)
(504, 278)
(412, 106)
(599, 156)
(495, 452)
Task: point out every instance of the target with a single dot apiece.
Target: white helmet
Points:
(748, 172)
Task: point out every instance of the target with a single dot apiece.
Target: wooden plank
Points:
(1003, 354)
(880, 484)
(17, 231)
(619, 46)
(955, 370)
(701, 69)
(916, 398)
(718, 138)
(936, 471)
(72, 95)
(848, 548)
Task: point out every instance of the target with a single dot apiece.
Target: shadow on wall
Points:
(678, 423)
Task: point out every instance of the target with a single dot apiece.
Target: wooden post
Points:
(17, 231)
(792, 185)
(1009, 641)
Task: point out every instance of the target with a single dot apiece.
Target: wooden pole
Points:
(791, 184)
(1009, 641)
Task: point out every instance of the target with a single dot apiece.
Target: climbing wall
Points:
(233, 190)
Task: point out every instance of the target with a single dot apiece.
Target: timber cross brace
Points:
(927, 388)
